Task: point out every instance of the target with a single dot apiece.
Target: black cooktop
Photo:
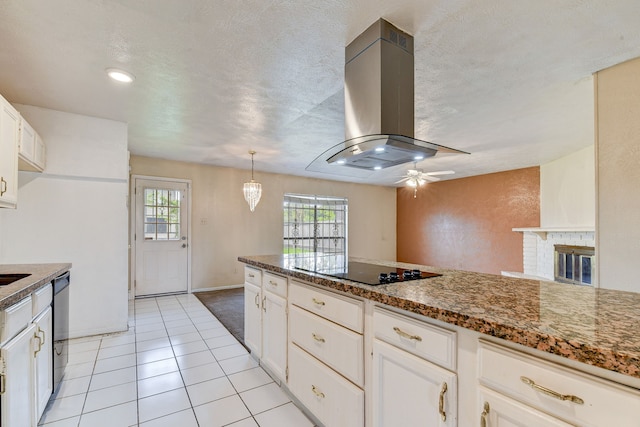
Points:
(374, 274)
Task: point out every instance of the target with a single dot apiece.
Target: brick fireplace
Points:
(539, 248)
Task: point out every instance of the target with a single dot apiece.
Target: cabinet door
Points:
(17, 380)
(274, 334)
(43, 361)
(408, 388)
(9, 134)
(40, 153)
(27, 145)
(253, 319)
(500, 411)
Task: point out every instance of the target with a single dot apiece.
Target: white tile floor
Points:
(176, 366)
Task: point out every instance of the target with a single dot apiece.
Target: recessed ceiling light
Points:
(341, 162)
(379, 149)
(418, 157)
(120, 75)
(377, 168)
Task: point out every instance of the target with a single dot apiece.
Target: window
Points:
(315, 226)
(161, 214)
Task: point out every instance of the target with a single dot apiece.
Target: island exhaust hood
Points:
(379, 104)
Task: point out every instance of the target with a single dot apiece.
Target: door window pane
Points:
(162, 214)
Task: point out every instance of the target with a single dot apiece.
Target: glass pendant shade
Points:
(252, 192)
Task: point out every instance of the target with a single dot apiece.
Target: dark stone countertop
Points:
(40, 274)
(598, 327)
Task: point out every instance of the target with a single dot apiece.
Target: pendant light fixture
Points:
(252, 190)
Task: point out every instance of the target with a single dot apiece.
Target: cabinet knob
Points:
(484, 415)
(552, 393)
(441, 410)
(317, 392)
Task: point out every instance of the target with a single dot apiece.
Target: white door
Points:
(408, 388)
(43, 357)
(274, 334)
(161, 237)
(253, 319)
(17, 380)
(500, 411)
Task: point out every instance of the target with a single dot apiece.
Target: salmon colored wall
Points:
(465, 224)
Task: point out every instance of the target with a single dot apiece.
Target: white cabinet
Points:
(253, 311)
(43, 363)
(9, 134)
(31, 149)
(500, 411)
(17, 397)
(332, 399)
(265, 324)
(274, 334)
(574, 397)
(408, 388)
(26, 368)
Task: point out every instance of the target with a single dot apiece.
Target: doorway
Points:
(161, 255)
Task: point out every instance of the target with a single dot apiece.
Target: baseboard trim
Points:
(217, 288)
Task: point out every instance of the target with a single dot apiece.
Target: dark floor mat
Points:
(228, 306)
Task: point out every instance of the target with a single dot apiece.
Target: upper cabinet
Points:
(31, 149)
(9, 137)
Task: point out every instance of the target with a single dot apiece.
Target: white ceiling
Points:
(508, 81)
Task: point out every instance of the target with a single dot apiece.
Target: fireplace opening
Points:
(575, 264)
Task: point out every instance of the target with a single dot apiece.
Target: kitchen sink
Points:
(7, 279)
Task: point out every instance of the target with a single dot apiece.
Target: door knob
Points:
(184, 245)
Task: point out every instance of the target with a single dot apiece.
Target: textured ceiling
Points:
(508, 81)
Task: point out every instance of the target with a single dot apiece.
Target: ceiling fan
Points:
(416, 178)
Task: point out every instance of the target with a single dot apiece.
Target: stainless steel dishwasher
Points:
(60, 326)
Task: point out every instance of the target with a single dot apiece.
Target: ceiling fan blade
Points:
(440, 173)
(403, 179)
(430, 178)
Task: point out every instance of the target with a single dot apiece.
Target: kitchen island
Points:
(496, 324)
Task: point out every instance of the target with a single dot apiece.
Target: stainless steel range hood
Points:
(379, 106)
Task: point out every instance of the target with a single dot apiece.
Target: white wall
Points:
(76, 212)
(223, 228)
(567, 190)
(618, 182)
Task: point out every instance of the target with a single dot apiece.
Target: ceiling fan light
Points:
(412, 183)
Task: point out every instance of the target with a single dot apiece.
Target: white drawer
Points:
(331, 398)
(42, 299)
(430, 342)
(604, 403)
(15, 318)
(338, 347)
(252, 275)
(337, 308)
(274, 284)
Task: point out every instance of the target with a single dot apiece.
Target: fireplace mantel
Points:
(542, 231)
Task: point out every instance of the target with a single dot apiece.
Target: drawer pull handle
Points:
(3, 186)
(484, 415)
(3, 384)
(251, 275)
(317, 392)
(552, 393)
(317, 301)
(272, 283)
(264, 304)
(406, 335)
(256, 300)
(317, 338)
(443, 391)
(37, 336)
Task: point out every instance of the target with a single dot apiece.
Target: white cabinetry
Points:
(326, 358)
(253, 311)
(265, 314)
(406, 385)
(31, 149)
(43, 363)
(9, 134)
(274, 326)
(571, 396)
(27, 359)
